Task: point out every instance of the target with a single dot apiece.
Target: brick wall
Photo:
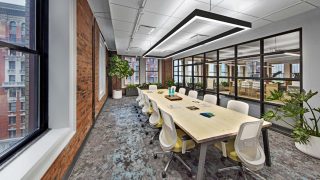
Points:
(85, 91)
(166, 70)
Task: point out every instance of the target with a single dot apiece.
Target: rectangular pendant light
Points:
(198, 14)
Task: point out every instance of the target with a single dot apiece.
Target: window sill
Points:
(34, 161)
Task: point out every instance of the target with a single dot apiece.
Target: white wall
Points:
(310, 23)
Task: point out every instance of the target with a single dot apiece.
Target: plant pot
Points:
(311, 148)
(117, 94)
(131, 92)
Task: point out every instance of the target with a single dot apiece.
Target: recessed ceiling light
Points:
(291, 54)
(144, 29)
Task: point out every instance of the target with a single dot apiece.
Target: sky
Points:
(17, 2)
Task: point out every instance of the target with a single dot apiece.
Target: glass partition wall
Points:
(248, 71)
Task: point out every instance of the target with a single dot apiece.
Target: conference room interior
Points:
(149, 89)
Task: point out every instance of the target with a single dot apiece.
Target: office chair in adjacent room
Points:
(173, 142)
(182, 91)
(210, 99)
(246, 150)
(153, 87)
(238, 106)
(193, 94)
(155, 120)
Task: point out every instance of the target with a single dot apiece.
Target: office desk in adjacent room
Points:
(205, 131)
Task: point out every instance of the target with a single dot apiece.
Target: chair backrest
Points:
(146, 102)
(168, 134)
(182, 91)
(193, 94)
(153, 87)
(247, 145)
(256, 85)
(155, 116)
(210, 98)
(174, 87)
(238, 106)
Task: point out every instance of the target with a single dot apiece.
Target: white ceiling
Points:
(165, 14)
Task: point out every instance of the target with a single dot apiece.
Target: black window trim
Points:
(41, 27)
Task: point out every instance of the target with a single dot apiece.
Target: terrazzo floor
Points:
(117, 148)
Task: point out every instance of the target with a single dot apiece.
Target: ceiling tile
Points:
(188, 6)
(123, 13)
(238, 5)
(153, 20)
(314, 2)
(124, 26)
(128, 3)
(295, 10)
(170, 23)
(260, 23)
(165, 7)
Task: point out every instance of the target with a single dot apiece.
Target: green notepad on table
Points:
(207, 114)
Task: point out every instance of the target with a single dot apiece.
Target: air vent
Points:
(143, 29)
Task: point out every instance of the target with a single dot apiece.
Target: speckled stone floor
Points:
(117, 148)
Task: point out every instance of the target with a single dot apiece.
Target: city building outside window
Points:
(23, 32)
(12, 65)
(22, 78)
(12, 93)
(12, 120)
(134, 63)
(12, 133)
(12, 78)
(23, 118)
(152, 70)
(12, 31)
(12, 107)
(22, 106)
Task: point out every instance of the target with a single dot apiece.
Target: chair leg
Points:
(229, 168)
(254, 173)
(154, 136)
(168, 163)
(182, 162)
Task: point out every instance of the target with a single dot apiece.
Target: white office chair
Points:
(153, 87)
(139, 95)
(193, 94)
(173, 141)
(174, 87)
(182, 91)
(155, 120)
(210, 98)
(238, 106)
(247, 150)
(147, 110)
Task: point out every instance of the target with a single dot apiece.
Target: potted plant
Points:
(305, 119)
(169, 83)
(119, 69)
(131, 90)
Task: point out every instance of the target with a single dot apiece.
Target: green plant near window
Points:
(198, 85)
(169, 83)
(119, 68)
(225, 84)
(297, 108)
(131, 86)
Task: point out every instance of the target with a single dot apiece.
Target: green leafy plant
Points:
(169, 83)
(198, 85)
(224, 84)
(119, 68)
(296, 106)
(131, 86)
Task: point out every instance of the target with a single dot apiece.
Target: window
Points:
(23, 119)
(102, 68)
(12, 31)
(12, 133)
(23, 47)
(12, 78)
(12, 93)
(12, 107)
(152, 70)
(12, 65)
(134, 63)
(12, 120)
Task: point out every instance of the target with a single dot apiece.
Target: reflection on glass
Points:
(175, 69)
(180, 62)
(226, 53)
(249, 49)
(286, 65)
(282, 42)
(249, 67)
(188, 82)
(198, 84)
(176, 80)
(188, 60)
(151, 64)
(134, 64)
(211, 56)
(211, 68)
(197, 59)
(197, 70)
(211, 84)
(284, 86)
(249, 88)
(180, 80)
(151, 77)
(226, 86)
(226, 68)
(188, 70)
(176, 63)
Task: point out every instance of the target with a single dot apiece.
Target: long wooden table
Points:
(203, 130)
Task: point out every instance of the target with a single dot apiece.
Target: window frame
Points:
(137, 59)
(40, 12)
(152, 71)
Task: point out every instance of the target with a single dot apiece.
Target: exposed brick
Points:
(166, 70)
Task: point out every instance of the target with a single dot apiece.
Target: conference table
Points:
(205, 131)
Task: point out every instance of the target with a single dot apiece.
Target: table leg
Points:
(202, 160)
(266, 146)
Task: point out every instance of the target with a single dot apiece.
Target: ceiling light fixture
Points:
(291, 54)
(197, 14)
